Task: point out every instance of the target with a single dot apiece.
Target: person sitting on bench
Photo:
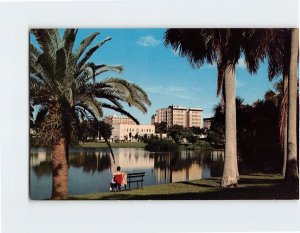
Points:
(119, 179)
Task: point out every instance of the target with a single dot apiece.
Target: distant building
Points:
(126, 132)
(177, 115)
(114, 120)
(162, 114)
(207, 122)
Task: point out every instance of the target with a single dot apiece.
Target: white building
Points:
(125, 132)
(114, 120)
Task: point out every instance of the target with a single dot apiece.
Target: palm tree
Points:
(66, 87)
(292, 166)
(275, 44)
(278, 53)
(223, 47)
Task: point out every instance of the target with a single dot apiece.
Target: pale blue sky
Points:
(168, 78)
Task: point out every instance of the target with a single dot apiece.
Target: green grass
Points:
(251, 187)
(113, 145)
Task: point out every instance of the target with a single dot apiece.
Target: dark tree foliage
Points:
(197, 130)
(177, 133)
(105, 129)
(161, 127)
(190, 137)
(257, 134)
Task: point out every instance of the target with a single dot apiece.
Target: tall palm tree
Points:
(65, 84)
(292, 165)
(278, 54)
(223, 47)
(275, 44)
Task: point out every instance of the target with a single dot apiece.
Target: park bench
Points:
(137, 178)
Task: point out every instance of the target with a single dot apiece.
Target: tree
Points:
(278, 53)
(223, 47)
(197, 130)
(161, 127)
(86, 129)
(190, 136)
(64, 83)
(216, 133)
(292, 165)
(136, 136)
(105, 130)
(177, 133)
(277, 45)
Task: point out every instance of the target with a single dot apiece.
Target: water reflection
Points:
(91, 170)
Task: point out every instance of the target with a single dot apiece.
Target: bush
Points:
(157, 144)
(200, 145)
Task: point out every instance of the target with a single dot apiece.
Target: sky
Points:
(168, 78)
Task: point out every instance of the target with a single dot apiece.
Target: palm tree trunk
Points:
(284, 107)
(110, 149)
(230, 172)
(60, 188)
(292, 167)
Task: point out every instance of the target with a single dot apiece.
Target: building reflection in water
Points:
(131, 158)
(37, 158)
(95, 167)
(180, 166)
(167, 166)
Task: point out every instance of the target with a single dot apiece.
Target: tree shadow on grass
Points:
(249, 189)
(258, 181)
(198, 185)
(241, 193)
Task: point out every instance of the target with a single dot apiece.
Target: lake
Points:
(90, 170)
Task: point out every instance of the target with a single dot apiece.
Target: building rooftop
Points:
(185, 108)
(115, 116)
(196, 109)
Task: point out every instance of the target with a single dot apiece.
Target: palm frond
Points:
(189, 43)
(60, 65)
(122, 111)
(69, 39)
(49, 40)
(93, 106)
(34, 53)
(41, 115)
(90, 52)
(130, 93)
(84, 44)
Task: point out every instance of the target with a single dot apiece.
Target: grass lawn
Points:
(113, 145)
(251, 187)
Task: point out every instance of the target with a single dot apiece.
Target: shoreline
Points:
(103, 145)
(113, 145)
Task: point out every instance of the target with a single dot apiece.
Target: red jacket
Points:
(118, 179)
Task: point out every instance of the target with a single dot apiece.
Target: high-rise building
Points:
(160, 115)
(177, 115)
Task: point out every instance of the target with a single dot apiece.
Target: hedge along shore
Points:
(113, 145)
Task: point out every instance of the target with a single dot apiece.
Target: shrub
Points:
(200, 145)
(157, 144)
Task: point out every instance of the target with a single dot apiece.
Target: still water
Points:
(90, 170)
